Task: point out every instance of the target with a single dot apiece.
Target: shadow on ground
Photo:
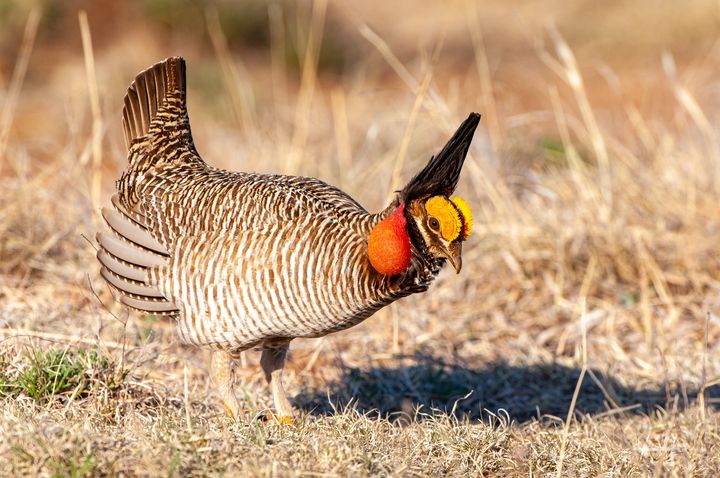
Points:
(525, 392)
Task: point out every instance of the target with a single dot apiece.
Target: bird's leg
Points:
(272, 361)
(223, 377)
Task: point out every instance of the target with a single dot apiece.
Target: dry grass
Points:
(580, 339)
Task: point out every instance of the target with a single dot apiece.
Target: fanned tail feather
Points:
(149, 92)
(156, 127)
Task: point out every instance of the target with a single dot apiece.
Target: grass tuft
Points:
(74, 466)
(58, 373)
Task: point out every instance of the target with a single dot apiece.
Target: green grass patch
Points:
(74, 467)
(556, 156)
(58, 372)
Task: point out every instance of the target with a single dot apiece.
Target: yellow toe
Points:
(284, 419)
(229, 411)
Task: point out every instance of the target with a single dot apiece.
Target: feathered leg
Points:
(272, 361)
(223, 377)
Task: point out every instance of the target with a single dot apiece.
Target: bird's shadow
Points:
(539, 391)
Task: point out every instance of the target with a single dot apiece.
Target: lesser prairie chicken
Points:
(243, 260)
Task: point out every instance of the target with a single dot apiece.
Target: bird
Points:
(243, 260)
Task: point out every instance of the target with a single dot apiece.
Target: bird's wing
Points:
(184, 202)
(127, 255)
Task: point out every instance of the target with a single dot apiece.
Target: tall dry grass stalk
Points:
(396, 178)
(235, 75)
(278, 52)
(582, 306)
(487, 93)
(307, 86)
(18, 77)
(342, 134)
(97, 123)
(568, 70)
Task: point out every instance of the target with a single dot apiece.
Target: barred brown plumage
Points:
(243, 259)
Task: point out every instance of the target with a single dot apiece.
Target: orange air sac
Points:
(389, 244)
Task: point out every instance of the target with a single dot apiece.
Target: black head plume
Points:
(442, 173)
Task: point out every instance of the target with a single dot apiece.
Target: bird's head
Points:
(424, 219)
(443, 225)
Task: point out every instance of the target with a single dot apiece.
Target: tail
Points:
(127, 257)
(156, 126)
(441, 175)
(157, 130)
(156, 96)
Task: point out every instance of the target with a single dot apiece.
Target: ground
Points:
(581, 338)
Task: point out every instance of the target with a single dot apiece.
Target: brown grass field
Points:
(582, 337)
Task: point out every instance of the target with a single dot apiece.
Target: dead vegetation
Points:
(580, 339)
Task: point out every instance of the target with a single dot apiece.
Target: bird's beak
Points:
(454, 255)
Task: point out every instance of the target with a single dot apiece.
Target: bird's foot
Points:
(282, 420)
(232, 411)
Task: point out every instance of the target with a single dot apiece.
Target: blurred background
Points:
(359, 61)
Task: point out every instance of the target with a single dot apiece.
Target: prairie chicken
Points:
(245, 260)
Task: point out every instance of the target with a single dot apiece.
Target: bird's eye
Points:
(434, 223)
